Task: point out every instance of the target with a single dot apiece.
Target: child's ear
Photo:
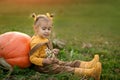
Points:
(35, 29)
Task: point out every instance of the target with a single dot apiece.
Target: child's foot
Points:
(93, 72)
(97, 71)
(89, 64)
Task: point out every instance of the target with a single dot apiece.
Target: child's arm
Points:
(36, 60)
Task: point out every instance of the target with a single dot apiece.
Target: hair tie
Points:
(50, 16)
(34, 16)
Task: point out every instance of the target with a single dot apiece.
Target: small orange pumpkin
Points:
(14, 48)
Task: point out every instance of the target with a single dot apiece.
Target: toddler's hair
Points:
(38, 18)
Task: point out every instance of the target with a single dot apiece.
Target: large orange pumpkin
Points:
(14, 48)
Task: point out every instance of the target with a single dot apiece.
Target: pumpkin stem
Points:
(6, 66)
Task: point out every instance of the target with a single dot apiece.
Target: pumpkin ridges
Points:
(21, 62)
(16, 50)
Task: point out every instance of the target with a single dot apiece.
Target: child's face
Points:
(44, 29)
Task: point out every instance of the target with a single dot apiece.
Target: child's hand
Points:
(47, 61)
(55, 60)
(55, 51)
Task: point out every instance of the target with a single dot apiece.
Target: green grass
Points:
(94, 22)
